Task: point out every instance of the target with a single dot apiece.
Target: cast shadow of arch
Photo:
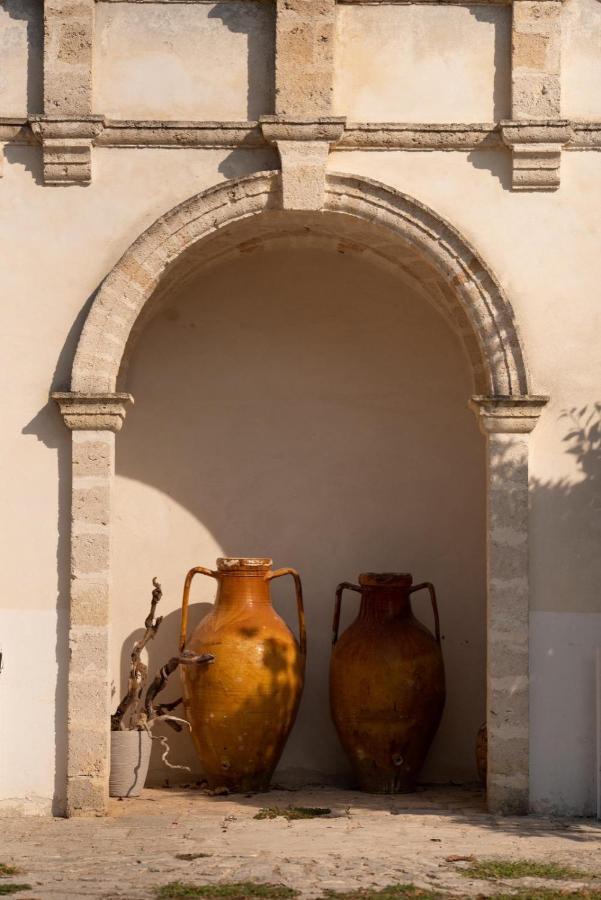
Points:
(265, 449)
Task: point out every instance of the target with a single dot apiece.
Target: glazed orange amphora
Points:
(387, 684)
(241, 708)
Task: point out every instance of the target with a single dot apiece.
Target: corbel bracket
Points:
(67, 147)
(92, 412)
(303, 145)
(536, 146)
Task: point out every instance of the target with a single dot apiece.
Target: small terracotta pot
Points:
(130, 758)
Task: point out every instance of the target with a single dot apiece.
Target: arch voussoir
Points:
(426, 246)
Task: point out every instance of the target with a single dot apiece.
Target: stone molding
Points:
(67, 147)
(536, 147)
(473, 296)
(508, 415)
(92, 412)
(303, 146)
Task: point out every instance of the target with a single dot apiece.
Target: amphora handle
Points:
(197, 570)
(420, 587)
(299, 604)
(346, 585)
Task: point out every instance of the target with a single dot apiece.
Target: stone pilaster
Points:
(304, 57)
(536, 134)
(507, 424)
(93, 420)
(67, 128)
(303, 128)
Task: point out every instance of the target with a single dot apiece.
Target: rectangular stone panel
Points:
(21, 34)
(422, 63)
(184, 61)
(581, 59)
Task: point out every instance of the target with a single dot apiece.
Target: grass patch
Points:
(244, 890)
(6, 870)
(549, 894)
(500, 869)
(392, 892)
(6, 889)
(292, 813)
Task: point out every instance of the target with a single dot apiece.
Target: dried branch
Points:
(138, 671)
(158, 684)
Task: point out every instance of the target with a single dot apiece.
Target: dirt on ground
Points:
(366, 841)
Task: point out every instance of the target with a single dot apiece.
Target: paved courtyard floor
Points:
(367, 841)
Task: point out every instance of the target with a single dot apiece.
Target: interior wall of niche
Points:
(303, 403)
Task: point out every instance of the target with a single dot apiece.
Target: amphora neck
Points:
(242, 582)
(385, 596)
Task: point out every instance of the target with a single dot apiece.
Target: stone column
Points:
(507, 423)
(67, 128)
(536, 133)
(93, 420)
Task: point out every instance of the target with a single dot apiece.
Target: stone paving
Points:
(367, 841)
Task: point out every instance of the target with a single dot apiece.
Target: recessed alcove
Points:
(299, 396)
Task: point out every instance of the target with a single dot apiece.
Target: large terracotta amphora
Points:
(242, 707)
(387, 685)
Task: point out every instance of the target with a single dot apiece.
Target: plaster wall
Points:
(311, 409)
(552, 278)
(581, 59)
(160, 61)
(405, 65)
(21, 55)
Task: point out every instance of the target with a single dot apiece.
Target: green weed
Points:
(292, 812)
(246, 890)
(499, 869)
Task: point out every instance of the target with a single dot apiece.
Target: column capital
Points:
(509, 415)
(92, 412)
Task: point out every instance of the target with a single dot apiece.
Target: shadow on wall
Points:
(305, 405)
(573, 510)
(501, 21)
(261, 48)
(49, 428)
(31, 11)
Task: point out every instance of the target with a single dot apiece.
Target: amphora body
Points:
(242, 707)
(387, 685)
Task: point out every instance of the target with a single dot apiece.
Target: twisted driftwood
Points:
(133, 713)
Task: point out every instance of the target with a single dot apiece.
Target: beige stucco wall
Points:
(404, 66)
(151, 65)
(581, 56)
(21, 54)
(59, 243)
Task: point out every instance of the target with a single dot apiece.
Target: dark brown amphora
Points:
(387, 684)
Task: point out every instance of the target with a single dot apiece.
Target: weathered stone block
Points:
(90, 553)
(87, 796)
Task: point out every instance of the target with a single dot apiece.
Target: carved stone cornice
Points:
(508, 415)
(536, 147)
(92, 412)
(67, 146)
(303, 145)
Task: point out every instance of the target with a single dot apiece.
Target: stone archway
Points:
(372, 218)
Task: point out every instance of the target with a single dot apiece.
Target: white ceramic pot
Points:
(130, 757)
